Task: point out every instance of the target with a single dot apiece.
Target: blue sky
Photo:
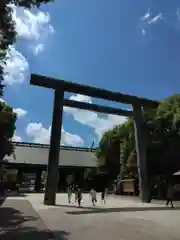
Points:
(128, 46)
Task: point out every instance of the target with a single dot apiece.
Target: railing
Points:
(39, 145)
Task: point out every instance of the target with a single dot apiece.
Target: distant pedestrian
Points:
(93, 196)
(103, 195)
(75, 193)
(69, 191)
(169, 196)
(79, 196)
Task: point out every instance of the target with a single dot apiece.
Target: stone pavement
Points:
(18, 221)
(120, 218)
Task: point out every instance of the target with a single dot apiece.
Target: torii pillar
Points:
(141, 151)
(54, 149)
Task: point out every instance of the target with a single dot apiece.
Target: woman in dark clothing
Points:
(79, 196)
(169, 196)
(103, 195)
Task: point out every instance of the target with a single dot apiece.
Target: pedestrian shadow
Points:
(33, 233)
(12, 217)
(96, 210)
(73, 206)
(2, 199)
(15, 225)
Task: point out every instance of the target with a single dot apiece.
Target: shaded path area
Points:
(18, 221)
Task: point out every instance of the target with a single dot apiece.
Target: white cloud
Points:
(16, 138)
(156, 18)
(30, 25)
(35, 27)
(40, 134)
(146, 15)
(20, 112)
(178, 13)
(143, 31)
(147, 19)
(92, 119)
(38, 49)
(16, 68)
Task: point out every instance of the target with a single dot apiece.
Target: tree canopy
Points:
(162, 127)
(7, 128)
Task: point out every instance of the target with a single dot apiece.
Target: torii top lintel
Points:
(67, 86)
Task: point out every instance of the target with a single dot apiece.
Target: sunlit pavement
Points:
(120, 218)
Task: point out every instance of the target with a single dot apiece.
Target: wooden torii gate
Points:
(60, 87)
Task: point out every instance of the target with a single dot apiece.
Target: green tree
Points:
(164, 137)
(7, 37)
(114, 142)
(7, 128)
(162, 126)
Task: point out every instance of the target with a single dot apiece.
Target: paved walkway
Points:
(119, 219)
(19, 221)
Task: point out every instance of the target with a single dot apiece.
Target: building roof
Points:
(37, 154)
(39, 145)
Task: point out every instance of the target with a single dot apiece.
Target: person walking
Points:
(169, 196)
(93, 196)
(103, 195)
(76, 193)
(79, 196)
(69, 191)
